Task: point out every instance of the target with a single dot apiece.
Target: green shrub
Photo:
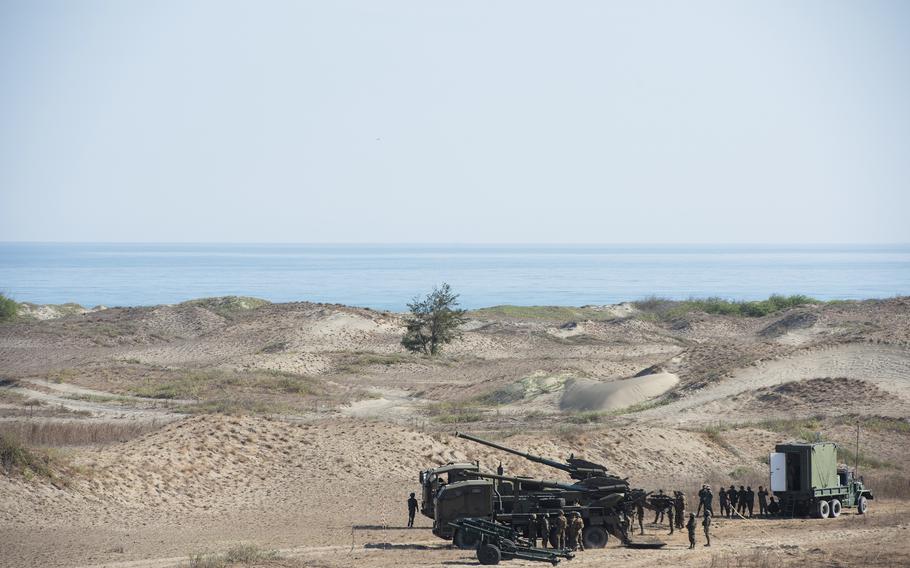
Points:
(665, 309)
(8, 308)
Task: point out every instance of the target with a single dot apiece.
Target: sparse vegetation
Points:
(433, 321)
(228, 307)
(665, 309)
(245, 554)
(454, 412)
(76, 433)
(199, 384)
(9, 308)
(554, 313)
(16, 457)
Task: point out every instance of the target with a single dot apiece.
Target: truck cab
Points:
(433, 480)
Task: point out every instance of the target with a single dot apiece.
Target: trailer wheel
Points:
(594, 537)
(835, 508)
(488, 554)
(862, 505)
(822, 509)
(464, 540)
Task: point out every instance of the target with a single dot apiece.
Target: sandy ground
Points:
(329, 422)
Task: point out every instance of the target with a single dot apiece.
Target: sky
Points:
(457, 122)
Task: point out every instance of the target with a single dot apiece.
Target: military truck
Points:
(807, 480)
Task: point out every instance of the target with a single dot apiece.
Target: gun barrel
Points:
(540, 482)
(527, 456)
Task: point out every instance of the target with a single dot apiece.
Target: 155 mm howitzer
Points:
(592, 475)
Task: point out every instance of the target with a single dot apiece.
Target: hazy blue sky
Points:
(455, 122)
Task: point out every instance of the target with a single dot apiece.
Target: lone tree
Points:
(433, 322)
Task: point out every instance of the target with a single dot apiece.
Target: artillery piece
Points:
(589, 474)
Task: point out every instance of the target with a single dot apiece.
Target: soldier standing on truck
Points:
(724, 502)
(543, 528)
(762, 501)
(690, 526)
(706, 522)
(412, 510)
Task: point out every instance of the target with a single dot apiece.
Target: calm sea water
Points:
(387, 276)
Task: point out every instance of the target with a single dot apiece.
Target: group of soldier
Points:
(740, 502)
(563, 531)
(673, 508)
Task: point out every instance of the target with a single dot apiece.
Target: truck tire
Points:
(862, 505)
(488, 554)
(553, 503)
(835, 508)
(464, 540)
(822, 509)
(594, 537)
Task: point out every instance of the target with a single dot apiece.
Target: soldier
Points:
(532, 530)
(500, 470)
(412, 510)
(691, 528)
(724, 502)
(750, 500)
(577, 529)
(659, 509)
(640, 512)
(741, 501)
(773, 507)
(680, 509)
(707, 500)
(561, 526)
(706, 522)
(543, 528)
(734, 500)
(701, 499)
(762, 501)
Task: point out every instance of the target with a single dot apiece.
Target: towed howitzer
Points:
(592, 474)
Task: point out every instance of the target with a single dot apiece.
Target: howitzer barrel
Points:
(540, 482)
(527, 456)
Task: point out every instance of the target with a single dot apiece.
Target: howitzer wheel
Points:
(488, 554)
(594, 537)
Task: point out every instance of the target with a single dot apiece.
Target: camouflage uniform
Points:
(680, 509)
(543, 528)
(640, 512)
(741, 501)
(750, 500)
(532, 530)
(706, 522)
(690, 526)
(762, 501)
(733, 495)
(561, 526)
(724, 503)
(576, 527)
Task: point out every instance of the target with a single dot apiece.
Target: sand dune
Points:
(585, 394)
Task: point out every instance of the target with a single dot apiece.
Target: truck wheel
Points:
(594, 537)
(821, 509)
(488, 554)
(862, 505)
(464, 540)
(835, 508)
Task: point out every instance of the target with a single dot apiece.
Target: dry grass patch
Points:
(242, 554)
(77, 433)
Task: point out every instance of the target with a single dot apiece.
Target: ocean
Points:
(386, 277)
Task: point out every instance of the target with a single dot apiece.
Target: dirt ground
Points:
(301, 428)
